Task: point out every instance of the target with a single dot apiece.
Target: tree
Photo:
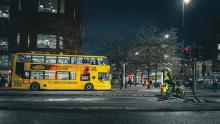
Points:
(155, 46)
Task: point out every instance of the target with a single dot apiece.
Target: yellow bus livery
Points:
(33, 71)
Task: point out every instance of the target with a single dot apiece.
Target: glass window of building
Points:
(46, 41)
(72, 75)
(38, 59)
(62, 6)
(51, 59)
(37, 75)
(49, 6)
(63, 60)
(50, 75)
(4, 11)
(4, 61)
(3, 44)
(18, 38)
(61, 42)
(62, 75)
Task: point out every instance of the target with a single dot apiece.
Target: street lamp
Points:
(136, 53)
(167, 36)
(184, 2)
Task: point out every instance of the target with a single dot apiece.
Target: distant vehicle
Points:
(60, 72)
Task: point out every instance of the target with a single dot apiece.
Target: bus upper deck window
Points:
(63, 60)
(27, 58)
(38, 59)
(20, 58)
(51, 59)
(73, 60)
(79, 60)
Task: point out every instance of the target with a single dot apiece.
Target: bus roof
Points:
(50, 54)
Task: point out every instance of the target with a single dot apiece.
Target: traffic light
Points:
(187, 53)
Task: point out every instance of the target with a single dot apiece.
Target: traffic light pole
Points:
(194, 75)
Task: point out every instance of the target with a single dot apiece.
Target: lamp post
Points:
(184, 2)
(136, 55)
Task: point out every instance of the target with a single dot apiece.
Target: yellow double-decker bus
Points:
(32, 71)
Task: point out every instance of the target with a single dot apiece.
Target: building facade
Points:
(39, 25)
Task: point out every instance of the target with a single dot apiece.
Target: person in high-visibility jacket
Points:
(167, 80)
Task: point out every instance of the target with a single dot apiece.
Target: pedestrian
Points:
(129, 83)
(215, 85)
(3, 81)
(149, 84)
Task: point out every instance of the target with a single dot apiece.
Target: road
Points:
(108, 103)
(106, 117)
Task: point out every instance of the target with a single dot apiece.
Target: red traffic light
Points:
(186, 50)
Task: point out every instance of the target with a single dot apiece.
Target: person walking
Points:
(3, 81)
(129, 83)
(215, 84)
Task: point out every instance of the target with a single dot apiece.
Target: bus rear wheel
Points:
(89, 87)
(35, 87)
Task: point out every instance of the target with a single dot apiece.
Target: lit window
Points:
(18, 38)
(103, 76)
(4, 61)
(48, 41)
(73, 60)
(50, 75)
(3, 44)
(63, 60)
(37, 75)
(62, 75)
(72, 75)
(51, 59)
(51, 6)
(218, 46)
(79, 60)
(38, 59)
(4, 11)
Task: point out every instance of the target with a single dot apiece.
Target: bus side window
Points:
(63, 60)
(37, 75)
(27, 58)
(79, 60)
(62, 75)
(20, 58)
(26, 75)
(73, 60)
(72, 75)
(38, 59)
(51, 59)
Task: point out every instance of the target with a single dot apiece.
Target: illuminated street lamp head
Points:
(166, 36)
(186, 1)
(136, 53)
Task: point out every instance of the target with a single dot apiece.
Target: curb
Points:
(134, 109)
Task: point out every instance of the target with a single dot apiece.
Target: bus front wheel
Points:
(89, 87)
(35, 87)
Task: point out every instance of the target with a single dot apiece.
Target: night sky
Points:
(108, 16)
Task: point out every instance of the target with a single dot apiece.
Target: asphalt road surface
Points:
(109, 103)
(107, 117)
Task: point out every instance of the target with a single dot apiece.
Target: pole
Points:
(194, 75)
(124, 75)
